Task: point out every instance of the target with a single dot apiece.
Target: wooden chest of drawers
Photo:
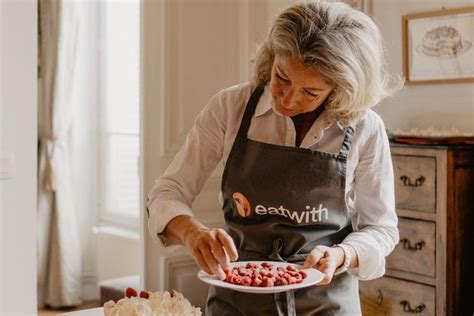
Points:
(430, 271)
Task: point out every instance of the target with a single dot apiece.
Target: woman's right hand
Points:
(212, 249)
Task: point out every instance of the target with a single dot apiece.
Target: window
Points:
(119, 111)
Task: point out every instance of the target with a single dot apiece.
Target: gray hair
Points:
(342, 44)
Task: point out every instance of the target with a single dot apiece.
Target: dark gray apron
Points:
(279, 203)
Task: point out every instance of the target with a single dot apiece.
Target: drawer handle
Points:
(407, 181)
(407, 308)
(407, 245)
(379, 298)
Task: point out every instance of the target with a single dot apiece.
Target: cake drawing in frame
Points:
(437, 46)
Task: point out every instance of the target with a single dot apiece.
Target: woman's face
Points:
(296, 88)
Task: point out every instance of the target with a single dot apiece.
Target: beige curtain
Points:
(59, 251)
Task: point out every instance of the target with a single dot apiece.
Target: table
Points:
(86, 312)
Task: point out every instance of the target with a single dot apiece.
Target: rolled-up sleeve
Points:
(375, 221)
(174, 192)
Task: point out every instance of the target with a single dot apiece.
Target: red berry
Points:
(267, 265)
(130, 292)
(251, 265)
(144, 294)
(246, 280)
(256, 282)
(267, 282)
(281, 281)
(298, 277)
(292, 280)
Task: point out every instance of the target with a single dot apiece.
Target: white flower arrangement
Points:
(157, 304)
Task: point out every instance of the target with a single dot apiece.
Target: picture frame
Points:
(438, 46)
(361, 5)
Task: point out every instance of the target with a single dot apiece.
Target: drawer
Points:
(417, 248)
(415, 182)
(389, 296)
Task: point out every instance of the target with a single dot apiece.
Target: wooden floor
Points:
(50, 312)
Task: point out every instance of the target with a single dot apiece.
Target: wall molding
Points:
(90, 288)
(172, 118)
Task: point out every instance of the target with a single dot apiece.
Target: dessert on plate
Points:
(151, 304)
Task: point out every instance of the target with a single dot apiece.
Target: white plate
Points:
(313, 277)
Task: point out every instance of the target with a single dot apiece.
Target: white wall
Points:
(18, 135)
(117, 253)
(437, 105)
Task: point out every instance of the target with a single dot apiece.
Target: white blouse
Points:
(369, 187)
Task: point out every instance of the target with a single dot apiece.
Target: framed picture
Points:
(362, 5)
(438, 46)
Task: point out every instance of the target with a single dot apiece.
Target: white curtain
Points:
(59, 251)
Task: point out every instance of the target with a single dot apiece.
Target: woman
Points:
(308, 175)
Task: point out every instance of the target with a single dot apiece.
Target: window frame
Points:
(105, 216)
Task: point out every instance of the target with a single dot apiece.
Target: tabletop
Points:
(86, 312)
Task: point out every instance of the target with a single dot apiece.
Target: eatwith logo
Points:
(243, 205)
(310, 215)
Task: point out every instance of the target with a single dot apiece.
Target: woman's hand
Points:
(211, 249)
(325, 259)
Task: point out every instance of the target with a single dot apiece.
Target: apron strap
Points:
(277, 247)
(298, 258)
(249, 111)
(346, 143)
(285, 303)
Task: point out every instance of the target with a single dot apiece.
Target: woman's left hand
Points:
(325, 259)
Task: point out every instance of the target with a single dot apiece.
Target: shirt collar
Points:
(265, 103)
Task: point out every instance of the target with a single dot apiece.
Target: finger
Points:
(324, 267)
(313, 258)
(212, 263)
(228, 243)
(328, 272)
(324, 261)
(329, 261)
(219, 253)
(201, 262)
